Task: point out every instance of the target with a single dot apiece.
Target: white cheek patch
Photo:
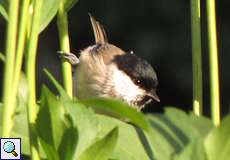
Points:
(125, 88)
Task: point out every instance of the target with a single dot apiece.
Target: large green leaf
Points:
(217, 143)
(187, 124)
(85, 120)
(51, 119)
(68, 144)
(102, 149)
(118, 108)
(193, 151)
(4, 8)
(129, 145)
(69, 4)
(162, 140)
(56, 133)
(48, 11)
(174, 130)
(46, 123)
(203, 124)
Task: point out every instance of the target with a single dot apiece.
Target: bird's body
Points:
(105, 70)
(96, 65)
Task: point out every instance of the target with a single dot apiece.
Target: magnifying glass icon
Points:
(9, 147)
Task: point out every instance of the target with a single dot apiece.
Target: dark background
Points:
(158, 31)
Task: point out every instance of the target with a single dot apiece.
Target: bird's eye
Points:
(137, 81)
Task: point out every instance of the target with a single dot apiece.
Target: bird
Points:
(105, 70)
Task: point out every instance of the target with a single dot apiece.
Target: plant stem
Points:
(62, 23)
(8, 105)
(213, 62)
(20, 48)
(31, 76)
(196, 57)
(2, 57)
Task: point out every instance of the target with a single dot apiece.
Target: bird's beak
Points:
(154, 96)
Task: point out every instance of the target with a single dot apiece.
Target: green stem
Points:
(21, 40)
(31, 76)
(20, 47)
(196, 57)
(8, 105)
(62, 22)
(213, 62)
(2, 57)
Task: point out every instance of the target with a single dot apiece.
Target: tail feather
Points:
(99, 31)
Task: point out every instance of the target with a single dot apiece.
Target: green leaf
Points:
(163, 141)
(81, 117)
(192, 151)
(20, 128)
(174, 130)
(50, 122)
(118, 108)
(102, 149)
(64, 96)
(177, 121)
(68, 145)
(69, 4)
(129, 145)
(181, 120)
(85, 120)
(217, 143)
(49, 149)
(48, 11)
(203, 124)
(4, 8)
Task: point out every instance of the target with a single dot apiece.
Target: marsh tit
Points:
(104, 70)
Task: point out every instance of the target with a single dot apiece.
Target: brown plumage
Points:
(105, 70)
(94, 60)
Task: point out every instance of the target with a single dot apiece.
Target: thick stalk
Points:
(8, 105)
(213, 62)
(31, 76)
(20, 48)
(196, 57)
(62, 23)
